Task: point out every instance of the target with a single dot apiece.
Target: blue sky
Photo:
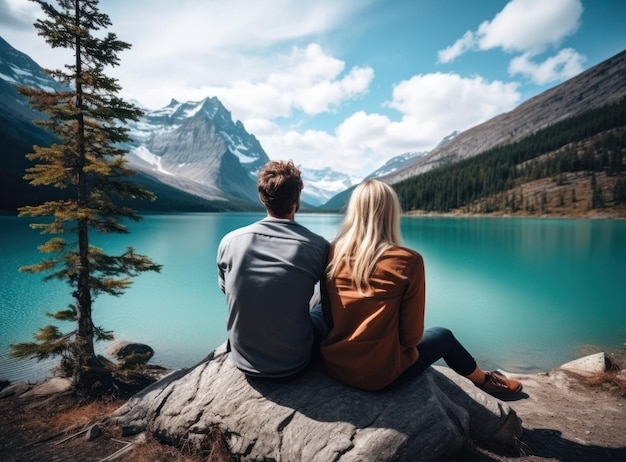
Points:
(346, 84)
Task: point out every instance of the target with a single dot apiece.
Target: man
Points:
(268, 271)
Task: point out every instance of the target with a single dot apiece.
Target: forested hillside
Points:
(572, 168)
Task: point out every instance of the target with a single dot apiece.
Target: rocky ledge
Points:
(314, 418)
(572, 413)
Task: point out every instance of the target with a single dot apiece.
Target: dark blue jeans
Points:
(438, 343)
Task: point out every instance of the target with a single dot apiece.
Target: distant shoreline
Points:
(589, 216)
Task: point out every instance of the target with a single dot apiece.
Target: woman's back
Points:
(374, 335)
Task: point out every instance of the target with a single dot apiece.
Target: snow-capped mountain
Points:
(395, 163)
(197, 147)
(152, 130)
(321, 185)
(16, 68)
(18, 133)
(339, 200)
(405, 159)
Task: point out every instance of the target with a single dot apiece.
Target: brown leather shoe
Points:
(496, 384)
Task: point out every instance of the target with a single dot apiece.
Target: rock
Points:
(16, 389)
(314, 418)
(51, 386)
(124, 349)
(589, 365)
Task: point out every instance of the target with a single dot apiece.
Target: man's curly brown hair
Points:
(280, 185)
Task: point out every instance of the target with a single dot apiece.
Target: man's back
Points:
(268, 271)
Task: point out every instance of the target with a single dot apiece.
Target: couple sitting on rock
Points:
(369, 327)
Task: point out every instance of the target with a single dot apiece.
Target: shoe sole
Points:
(506, 395)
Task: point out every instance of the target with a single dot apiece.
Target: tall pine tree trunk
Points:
(84, 376)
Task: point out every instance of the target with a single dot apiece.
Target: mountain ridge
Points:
(18, 135)
(592, 88)
(203, 158)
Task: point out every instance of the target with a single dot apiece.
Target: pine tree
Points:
(619, 190)
(597, 197)
(89, 164)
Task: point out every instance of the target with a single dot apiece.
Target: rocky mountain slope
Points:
(593, 88)
(18, 135)
(197, 147)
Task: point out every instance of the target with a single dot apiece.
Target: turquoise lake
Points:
(525, 295)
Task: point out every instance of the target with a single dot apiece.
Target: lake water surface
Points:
(521, 294)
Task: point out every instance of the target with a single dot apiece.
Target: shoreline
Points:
(617, 354)
(590, 216)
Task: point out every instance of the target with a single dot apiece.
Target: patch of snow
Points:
(8, 78)
(211, 115)
(192, 111)
(167, 110)
(20, 71)
(142, 153)
(47, 88)
(243, 158)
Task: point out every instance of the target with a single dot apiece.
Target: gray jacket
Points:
(268, 271)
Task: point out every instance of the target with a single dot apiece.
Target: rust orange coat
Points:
(373, 337)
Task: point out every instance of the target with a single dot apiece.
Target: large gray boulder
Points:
(314, 418)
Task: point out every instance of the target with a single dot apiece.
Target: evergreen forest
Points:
(569, 168)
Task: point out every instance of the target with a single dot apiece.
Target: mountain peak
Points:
(448, 138)
(17, 68)
(215, 110)
(198, 143)
(396, 163)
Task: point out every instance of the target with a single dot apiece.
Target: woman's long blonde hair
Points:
(370, 227)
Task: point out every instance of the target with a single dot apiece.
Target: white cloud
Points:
(201, 26)
(432, 106)
(440, 103)
(215, 43)
(349, 149)
(564, 65)
(322, 96)
(528, 26)
(308, 80)
(465, 43)
(18, 14)
(260, 127)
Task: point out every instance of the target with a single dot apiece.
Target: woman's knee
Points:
(442, 333)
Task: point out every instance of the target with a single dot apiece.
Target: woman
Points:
(374, 298)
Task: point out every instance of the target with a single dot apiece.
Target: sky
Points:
(345, 84)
